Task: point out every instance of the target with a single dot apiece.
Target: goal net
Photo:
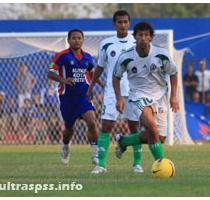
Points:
(29, 106)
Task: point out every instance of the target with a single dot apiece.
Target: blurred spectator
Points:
(53, 130)
(1, 113)
(28, 111)
(207, 106)
(11, 106)
(196, 97)
(36, 100)
(40, 125)
(1, 103)
(49, 98)
(190, 82)
(11, 115)
(203, 80)
(208, 99)
(24, 83)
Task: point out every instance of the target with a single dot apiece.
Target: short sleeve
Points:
(169, 65)
(102, 57)
(56, 63)
(120, 68)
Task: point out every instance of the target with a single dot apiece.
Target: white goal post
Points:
(36, 49)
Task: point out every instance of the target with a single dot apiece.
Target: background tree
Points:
(98, 10)
(167, 10)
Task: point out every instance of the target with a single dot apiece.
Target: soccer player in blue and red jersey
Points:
(70, 68)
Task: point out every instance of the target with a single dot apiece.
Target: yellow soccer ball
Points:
(163, 168)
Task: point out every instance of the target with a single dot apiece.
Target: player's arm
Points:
(55, 77)
(96, 75)
(99, 82)
(120, 100)
(171, 70)
(173, 99)
(118, 71)
(54, 67)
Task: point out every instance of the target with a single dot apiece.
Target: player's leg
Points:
(67, 136)
(92, 134)
(132, 112)
(134, 128)
(162, 139)
(109, 116)
(148, 120)
(150, 135)
(161, 118)
(103, 145)
(69, 116)
(104, 140)
(65, 147)
(137, 149)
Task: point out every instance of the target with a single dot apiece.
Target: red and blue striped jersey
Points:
(66, 64)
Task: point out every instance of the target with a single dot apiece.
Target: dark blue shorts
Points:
(73, 107)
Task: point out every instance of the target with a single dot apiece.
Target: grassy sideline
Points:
(40, 164)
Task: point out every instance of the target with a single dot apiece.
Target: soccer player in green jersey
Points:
(148, 68)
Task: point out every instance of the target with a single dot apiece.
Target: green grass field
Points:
(41, 164)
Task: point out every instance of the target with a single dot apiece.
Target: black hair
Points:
(120, 13)
(143, 26)
(75, 30)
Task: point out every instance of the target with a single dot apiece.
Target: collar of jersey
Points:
(123, 40)
(84, 55)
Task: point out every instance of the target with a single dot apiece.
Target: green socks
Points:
(130, 140)
(157, 150)
(134, 140)
(137, 153)
(103, 145)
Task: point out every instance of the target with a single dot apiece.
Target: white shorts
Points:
(109, 111)
(134, 109)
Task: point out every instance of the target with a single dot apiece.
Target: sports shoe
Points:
(95, 160)
(99, 170)
(138, 169)
(65, 154)
(119, 150)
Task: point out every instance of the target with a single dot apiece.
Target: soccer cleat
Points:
(65, 154)
(119, 150)
(99, 170)
(95, 160)
(138, 169)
